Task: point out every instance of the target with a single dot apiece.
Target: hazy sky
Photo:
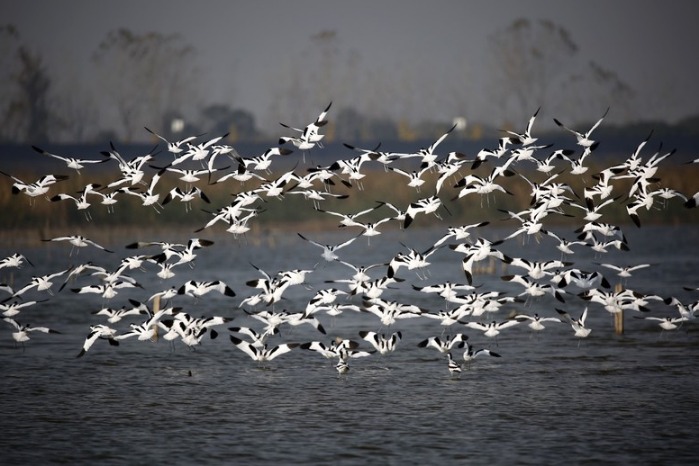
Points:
(247, 48)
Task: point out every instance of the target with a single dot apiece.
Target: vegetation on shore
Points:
(23, 215)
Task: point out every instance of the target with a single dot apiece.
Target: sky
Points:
(250, 51)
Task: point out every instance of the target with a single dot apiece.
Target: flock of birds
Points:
(194, 162)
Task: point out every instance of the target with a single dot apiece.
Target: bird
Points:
(470, 353)
(666, 323)
(578, 324)
(98, 332)
(329, 249)
(41, 283)
(625, 271)
(459, 233)
(106, 290)
(444, 345)
(535, 321)
(525, 138)
(15, 260)
(81, 202)
(78, 241)
(309, 136)
(340, 348)
(14, 308)
(75, 163)
(263, 354)
(413, 260)
(390, 311)
(185, 196)
(115, 315)
(583, 139)
(493, 328)
(38, 187)
(197, 289)
(174, 147)
(383, 344)
(453, 366)
(22, 331)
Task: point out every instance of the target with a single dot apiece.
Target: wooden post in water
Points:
(618, 316)
(156, 308)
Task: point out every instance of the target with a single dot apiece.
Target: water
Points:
(549, 399)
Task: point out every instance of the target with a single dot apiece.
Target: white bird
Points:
(329, 249)
(578, 324)
(174, 147)
(149, 197)
(526, 138)
(264, 353)
(583, 138)
(106, 290)
(200, 288)
(453, 366)
(492, 329)
(14, 308)
(666, 323)
(309, 136)
(185, 196)
(446, 345)
(72, 162)
(381, 342)
(98, 332)
(81, 202)
(41, 283)
(534, 289)
(146, 330)
(470, 353)
(115, 315)
(390, 311)
(536, 321)
(625, 271)
(21, 333)
(37, 188)
(15, 260)
(459, 233)
(78, 241)
(258, 339)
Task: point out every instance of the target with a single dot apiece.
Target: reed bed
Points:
(25, 218)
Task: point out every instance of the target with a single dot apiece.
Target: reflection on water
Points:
(549, 398)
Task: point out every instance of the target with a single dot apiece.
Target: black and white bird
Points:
(382, 343)
(22, 331)
(536, 321)
(578, 324)
(98, 332)
(197, 289)
(329, 249)
(75, 163)
(263, 354)
(444, 345)
(78, 241)
(470, 353)
(583, 139)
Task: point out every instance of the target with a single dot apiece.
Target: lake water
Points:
(550, 398)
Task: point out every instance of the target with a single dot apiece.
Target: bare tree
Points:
(145, 75)
(527, 58)
(34, 85)
(10, 120)
(590, 89)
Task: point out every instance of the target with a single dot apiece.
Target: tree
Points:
(34, 85)
(536, 64)
(223, 119)
(145, 75)
(527, 58)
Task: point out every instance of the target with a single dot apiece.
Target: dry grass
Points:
(25, 219)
